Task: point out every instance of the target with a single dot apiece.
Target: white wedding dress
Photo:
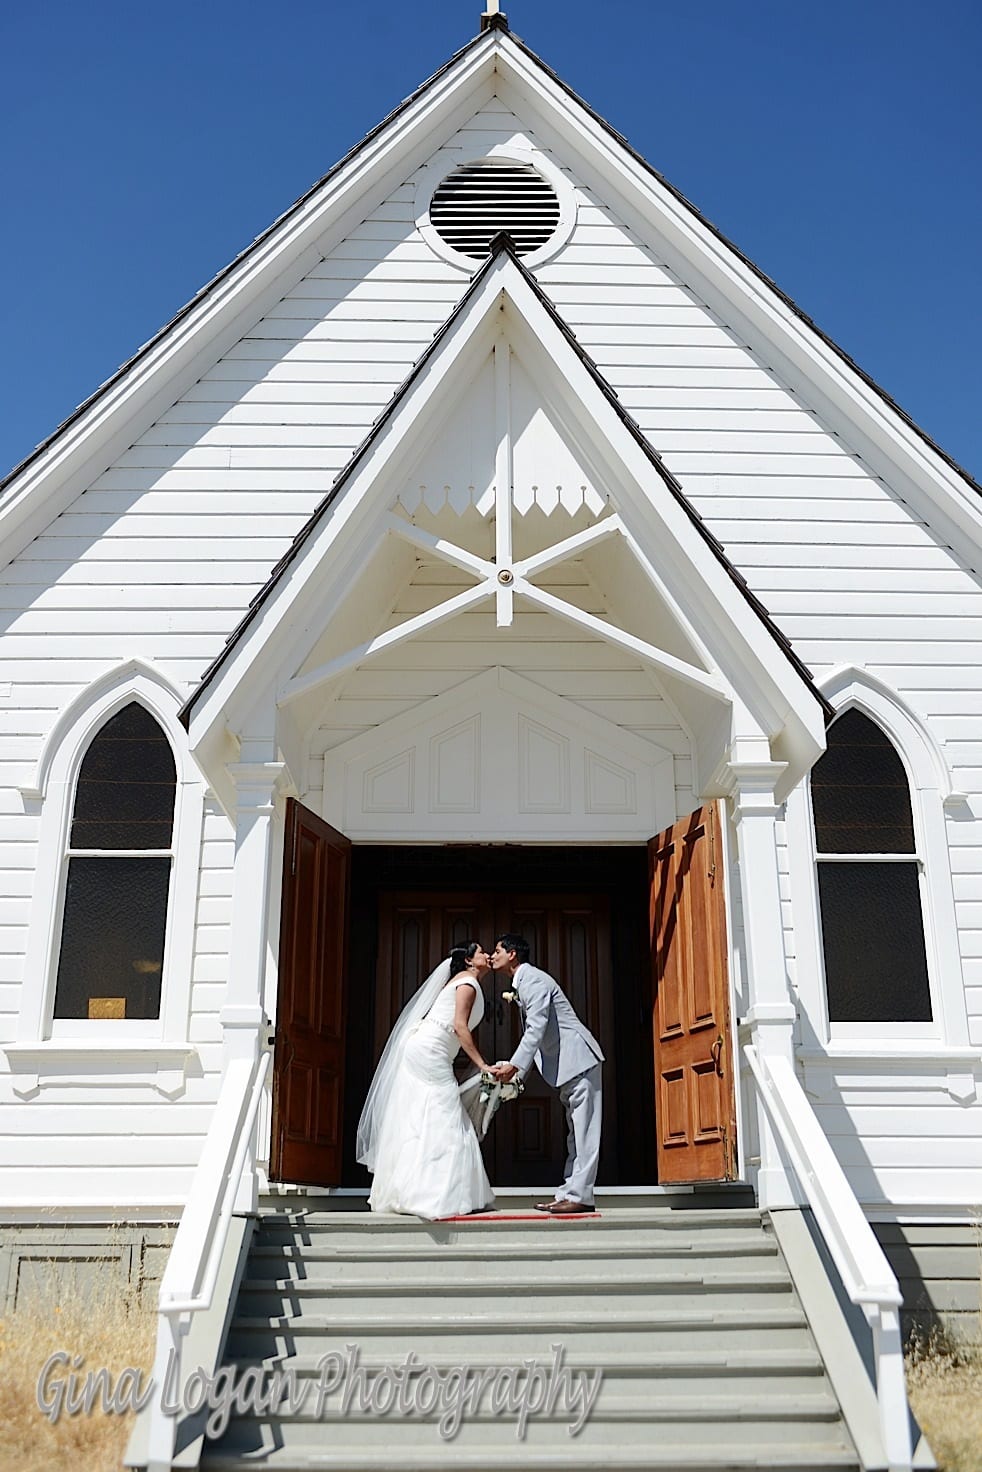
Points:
(428, 1159)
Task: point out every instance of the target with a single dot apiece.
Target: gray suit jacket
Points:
(554, 1038)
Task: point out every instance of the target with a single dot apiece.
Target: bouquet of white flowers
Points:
(493, 1095)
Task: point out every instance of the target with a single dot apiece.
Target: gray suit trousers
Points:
(583, 1101)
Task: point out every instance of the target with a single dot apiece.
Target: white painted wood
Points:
(659, 658)
(504, 486)
(304, 683)
(497, 757)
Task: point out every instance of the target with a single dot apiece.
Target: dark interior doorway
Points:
(584, 912)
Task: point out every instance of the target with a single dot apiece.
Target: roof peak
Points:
(493, 19)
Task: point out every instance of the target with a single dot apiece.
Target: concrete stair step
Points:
(788, 1456)
(482, 1321)
(515, 1276)
(705, 1372)
(606, 1250)
(817, 1406)
(510, 1237)
(499, 1433)
(604, 1219)
(260, 1341)
(530, 1302)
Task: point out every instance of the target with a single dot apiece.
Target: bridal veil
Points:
(370, 1124)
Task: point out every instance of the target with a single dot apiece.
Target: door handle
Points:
(499, 1013)
(717, 1055)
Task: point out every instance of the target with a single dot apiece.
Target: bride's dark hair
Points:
(460, 955)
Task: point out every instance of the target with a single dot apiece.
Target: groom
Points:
(568, 1057)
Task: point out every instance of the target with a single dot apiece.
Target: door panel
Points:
(695, 1101)
(308, 1063)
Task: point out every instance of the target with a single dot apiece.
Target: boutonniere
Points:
(509, 996)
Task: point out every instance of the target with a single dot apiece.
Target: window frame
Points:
(930, 788)
(54, 795)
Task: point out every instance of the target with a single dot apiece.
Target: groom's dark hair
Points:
(516, 943)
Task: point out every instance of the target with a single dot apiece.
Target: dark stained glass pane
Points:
(112, 940)
(125, 792)
(873, 933)
(860, 792)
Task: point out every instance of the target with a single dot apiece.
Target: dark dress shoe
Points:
(543, 1205)
(569, 1208)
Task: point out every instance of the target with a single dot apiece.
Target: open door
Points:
(308, 1062)
(695, 1100)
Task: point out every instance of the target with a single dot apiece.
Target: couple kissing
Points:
(416, 1135)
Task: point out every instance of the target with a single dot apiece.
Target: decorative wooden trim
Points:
(54, 1063)
(303, 684)
(710, 684)
(417, 536)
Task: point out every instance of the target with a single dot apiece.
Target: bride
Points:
(414, 1135)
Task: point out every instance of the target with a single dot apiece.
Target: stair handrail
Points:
(866, 1274)
(195, 1259)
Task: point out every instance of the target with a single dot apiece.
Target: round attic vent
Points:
(483, 199)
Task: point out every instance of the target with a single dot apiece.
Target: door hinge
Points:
(728, 1162)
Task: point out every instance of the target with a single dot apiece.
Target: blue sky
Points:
(142, 145)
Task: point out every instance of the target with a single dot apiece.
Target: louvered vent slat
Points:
(481, 200)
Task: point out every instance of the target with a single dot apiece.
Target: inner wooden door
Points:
(570, 937)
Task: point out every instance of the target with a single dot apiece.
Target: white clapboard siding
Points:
(125, 1143)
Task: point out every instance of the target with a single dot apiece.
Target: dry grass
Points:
(108, 1326)
(944, 1381)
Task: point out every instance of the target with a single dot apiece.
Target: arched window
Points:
(869, 878)
(118, 863)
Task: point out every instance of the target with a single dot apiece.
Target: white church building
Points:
(492, 546)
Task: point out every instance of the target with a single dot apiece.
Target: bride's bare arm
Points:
(463, 1002)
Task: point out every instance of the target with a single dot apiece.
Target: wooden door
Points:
(308, 1062)
(695, 1100)
(570, 938)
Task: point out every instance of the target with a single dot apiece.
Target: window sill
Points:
(92, 1062)
(927, 1064)
(870, 1051)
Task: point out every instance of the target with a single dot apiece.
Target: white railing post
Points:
(243, 1017)
(771, 1015)
(167, 1372)
(891, 1386)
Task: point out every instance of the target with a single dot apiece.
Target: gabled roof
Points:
(888, 439)
(749, 666)
(501, 247)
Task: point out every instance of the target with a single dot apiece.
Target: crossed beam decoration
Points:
(503, 577)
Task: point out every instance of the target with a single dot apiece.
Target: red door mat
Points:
(523, 1216)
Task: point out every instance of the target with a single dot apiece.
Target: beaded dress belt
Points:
(447, 1026)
